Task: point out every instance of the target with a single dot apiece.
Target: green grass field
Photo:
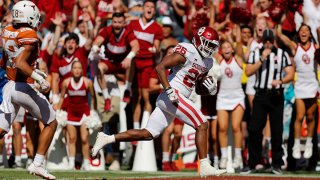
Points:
(22, 174)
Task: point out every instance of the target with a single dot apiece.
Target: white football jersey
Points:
(183, 77)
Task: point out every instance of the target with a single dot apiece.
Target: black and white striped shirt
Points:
(271, 69)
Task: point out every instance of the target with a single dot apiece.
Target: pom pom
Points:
(62, 118)
(198, 21)
(294, 5)
(276, 10)
(93, 121)
(240, 15)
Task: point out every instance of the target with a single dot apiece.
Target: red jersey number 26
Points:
(181, 50)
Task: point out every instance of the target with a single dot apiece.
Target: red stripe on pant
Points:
(188, 115)
(190, 108)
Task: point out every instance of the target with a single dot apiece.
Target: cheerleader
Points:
(230, 101)
(305, 87)
(78, 88)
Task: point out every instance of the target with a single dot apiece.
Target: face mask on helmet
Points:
(207, 41)
(208, 47)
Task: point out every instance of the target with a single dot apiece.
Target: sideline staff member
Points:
(273, 68)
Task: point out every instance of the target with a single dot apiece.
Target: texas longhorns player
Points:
(188, 63)
(21, 46)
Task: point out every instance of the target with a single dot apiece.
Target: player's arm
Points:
(167, 63)
(93, 95)
(23, 55)
(21, 60)
(63, 91)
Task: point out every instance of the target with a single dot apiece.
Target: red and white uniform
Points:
(182, 80)
(306, 85)
(104, 8)
(145, 59)
(230, 93)
(116, 48)
(78, 101)
(20, 91)
(62, 65)
(252, 79)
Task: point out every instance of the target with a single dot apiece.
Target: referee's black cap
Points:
(268, 35)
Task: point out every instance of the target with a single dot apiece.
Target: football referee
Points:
(273, 68)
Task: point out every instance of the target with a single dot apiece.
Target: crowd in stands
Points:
(90, 48)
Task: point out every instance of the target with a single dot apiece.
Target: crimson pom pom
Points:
(200, 20)
(240, 15)
(317, 55)
(276, 10)
(294, 5)
(199, 4)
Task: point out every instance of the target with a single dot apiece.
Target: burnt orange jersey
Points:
(12, 40)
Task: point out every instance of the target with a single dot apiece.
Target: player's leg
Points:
(223, 122)
(85, 147)
(165, 147)
(72, 134)
(103, 68)
(187, 113)
(236, 117)
(39, 107)
(311, 105)
(31, 140)
(157, 122)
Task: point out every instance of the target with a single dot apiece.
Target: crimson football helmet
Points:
(206, 40)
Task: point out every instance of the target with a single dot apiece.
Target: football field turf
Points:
(22, 174)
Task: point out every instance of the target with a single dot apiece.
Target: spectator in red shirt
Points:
(149, 35)
(61, 65)
(121, 46)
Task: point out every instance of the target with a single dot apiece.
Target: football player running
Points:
(20, 45)
(188, 63)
